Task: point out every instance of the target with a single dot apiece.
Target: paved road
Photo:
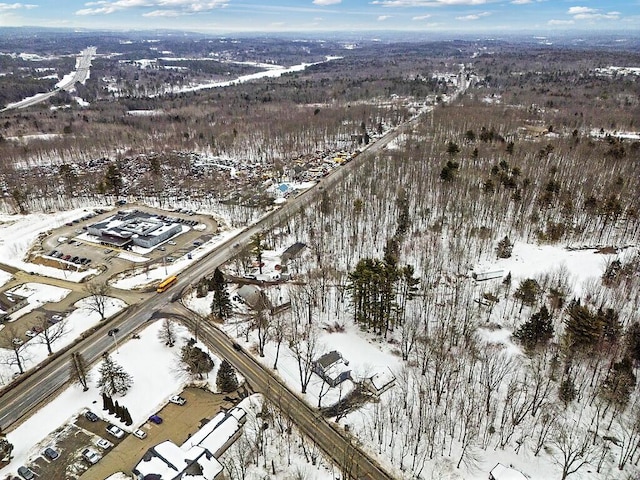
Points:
(40, 385)
(338, 445)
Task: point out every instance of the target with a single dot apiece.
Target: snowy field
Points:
(37, 294)
(35, 350)
(18, 233)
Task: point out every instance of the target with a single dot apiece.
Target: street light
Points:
(112, 333)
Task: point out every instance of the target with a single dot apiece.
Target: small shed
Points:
(292, 252)
(253, 296)
(502, 472)
(380, 382)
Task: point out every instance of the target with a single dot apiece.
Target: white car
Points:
(177, 399)
(104, 443)
(30, 333)
(139, 433)
(115, 431)
(91, 456)
(171, 242)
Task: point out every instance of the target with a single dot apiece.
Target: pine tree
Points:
(226, 380)
(537, 331)
(128, 421)
(113, 378)
(619, 384)
(110, 406)
(527, 292)
(196, 361)
(504, 248)
(567, 391)
(221, 304)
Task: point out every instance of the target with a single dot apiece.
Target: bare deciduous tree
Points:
(98, 297)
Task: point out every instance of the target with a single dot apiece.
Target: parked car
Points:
(108, 251)
(30, 333)
(53, 253)
(56, 318)
(155, 419)
(141, 434)
(171, 242)
(74, 259)
(177, 399)
(91, 456)
(37, 329)
(26, 473)
(92, 417)
(104, 443)
(50, 453)
(66, 257)
(197, 243)
(115, 431)
(17, 341)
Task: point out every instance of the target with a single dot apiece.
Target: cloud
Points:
(579, 10)
(560, 22)
(421, 17)
(588, 13)
(473, 16)
(326, 2)
(382, 18)
(4, 7)
(429, 3)
(165, 8)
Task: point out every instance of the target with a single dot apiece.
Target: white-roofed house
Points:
(502, 472)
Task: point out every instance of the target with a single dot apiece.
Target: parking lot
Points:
(69, 249)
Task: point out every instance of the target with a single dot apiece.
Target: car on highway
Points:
(115, 431)
(91, 456)
(157, 419)
(141, 434)
(92, 417)
(104, 443)
(26, 473)
(236, 346)
(177, 399)
(50, 453)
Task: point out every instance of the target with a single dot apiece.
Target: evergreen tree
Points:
(113, 179)
(258, 247)
(537, 331)
(128, 421)
(104, 401)
(504, 248)
(113, 379)
(110, 406)
(226, 380)
(221, 304)
(619, 384)
(196, 361)
(527, 292)
(632, 342)
(567, 391)
(448, 172)
(117, 409)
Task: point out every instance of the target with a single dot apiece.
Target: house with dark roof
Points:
(332, 368)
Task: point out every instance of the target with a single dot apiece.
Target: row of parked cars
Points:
(68, 258)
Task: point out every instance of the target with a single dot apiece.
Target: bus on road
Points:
(166, 283)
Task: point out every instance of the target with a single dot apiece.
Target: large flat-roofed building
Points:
(134, 228)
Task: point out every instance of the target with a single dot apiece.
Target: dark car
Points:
(157, 419)
(50, 453)
(89, 415)
(236, 346)
(74, 259)
(26, 473)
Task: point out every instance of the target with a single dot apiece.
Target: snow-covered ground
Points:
(37, 295)
(35, 350)
(18, 234)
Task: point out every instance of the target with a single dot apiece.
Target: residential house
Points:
(332, 368)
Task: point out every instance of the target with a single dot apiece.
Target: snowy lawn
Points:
(37, 295)
(18, 233)
(35, 350)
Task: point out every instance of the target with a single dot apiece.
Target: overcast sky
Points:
(225, 16)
